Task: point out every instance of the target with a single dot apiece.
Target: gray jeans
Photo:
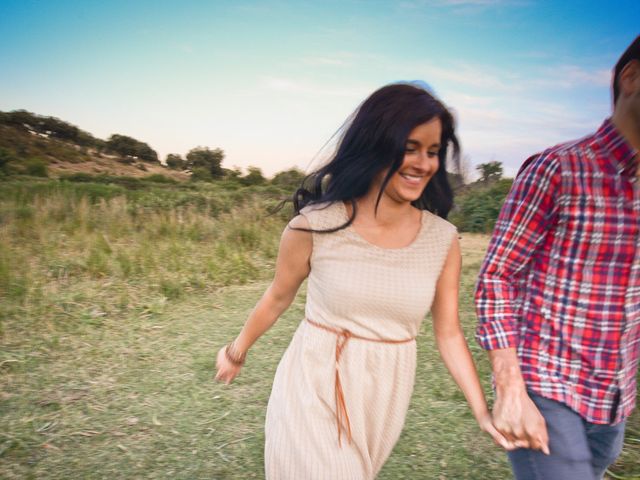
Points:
(579, 450)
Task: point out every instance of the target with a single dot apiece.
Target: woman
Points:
(370, 235)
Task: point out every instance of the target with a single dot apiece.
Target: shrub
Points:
(478, 209)
(78, 177)
(289, 179)
(201, 174)
(159, 178)
(36, 168)
(5, 157)
(175, 161)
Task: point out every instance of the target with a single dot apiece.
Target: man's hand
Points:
(519, 420)
(514, 414)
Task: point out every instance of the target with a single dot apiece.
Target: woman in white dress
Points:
(371, 237)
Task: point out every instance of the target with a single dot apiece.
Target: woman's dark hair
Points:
(375, 140)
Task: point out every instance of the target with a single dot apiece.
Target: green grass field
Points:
(112, 306)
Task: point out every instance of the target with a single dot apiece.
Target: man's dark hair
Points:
(631, 53)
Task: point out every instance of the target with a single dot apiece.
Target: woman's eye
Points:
(410, 150)
(432, 154)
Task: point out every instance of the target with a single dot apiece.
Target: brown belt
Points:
(343, 337)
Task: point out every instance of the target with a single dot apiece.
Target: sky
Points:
(271, 81)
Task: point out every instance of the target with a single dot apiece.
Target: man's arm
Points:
(525, 219)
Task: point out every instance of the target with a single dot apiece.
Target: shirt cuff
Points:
(495, 337)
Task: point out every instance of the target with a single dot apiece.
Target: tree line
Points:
(476, 208)
(203, 163)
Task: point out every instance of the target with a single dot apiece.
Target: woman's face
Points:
(419, 165)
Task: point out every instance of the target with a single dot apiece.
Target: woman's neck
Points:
(388, 211)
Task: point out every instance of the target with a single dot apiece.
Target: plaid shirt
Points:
(561, 279)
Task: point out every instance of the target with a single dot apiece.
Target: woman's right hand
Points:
(227, 370)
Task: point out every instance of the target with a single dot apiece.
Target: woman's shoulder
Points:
(437, 230)
(324, 216)
(438, 222)
(318, 208)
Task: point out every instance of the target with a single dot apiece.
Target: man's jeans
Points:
(579, 450)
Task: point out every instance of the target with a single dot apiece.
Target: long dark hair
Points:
(375, 139)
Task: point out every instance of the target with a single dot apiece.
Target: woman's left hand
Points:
(486, 425)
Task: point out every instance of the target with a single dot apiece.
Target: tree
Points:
(232, 173)
(56, 128)
(175, 161)
(130, 147)
(290, 179)
(20, 118)
(203, 157)
(50, 126)
(490, 171)
(253, 177)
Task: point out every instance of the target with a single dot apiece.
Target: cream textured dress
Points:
(375, 294)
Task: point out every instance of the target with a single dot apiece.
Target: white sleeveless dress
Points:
(374, 293)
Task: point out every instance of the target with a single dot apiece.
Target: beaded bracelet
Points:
(233, 357)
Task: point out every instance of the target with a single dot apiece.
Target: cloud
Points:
(325, 61)
(469, 75)
(288, 85)
(503, 114)
(462, 6)
(466, 3)
(491, 78)
(570, 76)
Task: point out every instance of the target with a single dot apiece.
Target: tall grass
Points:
(69, 250)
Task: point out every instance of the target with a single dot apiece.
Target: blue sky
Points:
(269, 82)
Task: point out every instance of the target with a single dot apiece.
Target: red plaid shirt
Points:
(561, 279)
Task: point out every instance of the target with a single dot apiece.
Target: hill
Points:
(31, 142)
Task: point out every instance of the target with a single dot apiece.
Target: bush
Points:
(129, 147)
(478, 209)
(36, 168)
(253, 177)
(5, 157)
(201, 174)
(289, 179)
(159, 178)
(80, 177)
(175, 161)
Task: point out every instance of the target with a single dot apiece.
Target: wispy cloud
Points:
(461, 6)
(292, 86)
(325, 62)
(465, 3)
(469, 75)
(569, 76)
(491, 78)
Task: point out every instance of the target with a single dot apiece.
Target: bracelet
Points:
(233, 357)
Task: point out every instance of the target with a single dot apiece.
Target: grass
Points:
(113, 304)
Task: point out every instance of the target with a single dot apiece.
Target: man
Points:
(558, 297)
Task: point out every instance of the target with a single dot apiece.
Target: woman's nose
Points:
(428, 162)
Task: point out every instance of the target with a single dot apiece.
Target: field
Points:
(113, 302)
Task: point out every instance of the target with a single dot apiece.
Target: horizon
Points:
(270, 82)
